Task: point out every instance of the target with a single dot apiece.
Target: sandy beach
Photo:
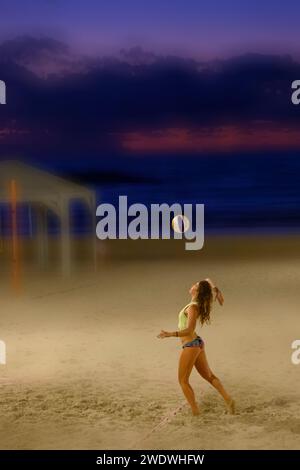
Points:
(86, 371)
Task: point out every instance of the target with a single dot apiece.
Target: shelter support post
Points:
(65, 238)
(94, 223)
(42, 236)
(16, 274)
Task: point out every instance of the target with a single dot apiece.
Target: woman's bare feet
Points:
(230, 406)
(196, 411)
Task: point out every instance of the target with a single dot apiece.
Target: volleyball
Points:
(180, 223)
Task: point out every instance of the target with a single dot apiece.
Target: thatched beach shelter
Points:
(46, 192)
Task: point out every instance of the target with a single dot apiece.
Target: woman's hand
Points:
(164, 334)
(219, 296)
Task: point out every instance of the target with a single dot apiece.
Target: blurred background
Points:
(188, 103)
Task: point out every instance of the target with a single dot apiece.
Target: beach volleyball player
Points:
(203, 293)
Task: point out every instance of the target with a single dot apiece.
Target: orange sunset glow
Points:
(226, 138)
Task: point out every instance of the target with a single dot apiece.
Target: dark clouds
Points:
(86, 104)
(27, 49)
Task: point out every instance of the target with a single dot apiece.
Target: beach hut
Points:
(43, 191)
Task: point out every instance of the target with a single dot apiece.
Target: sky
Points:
(159, 117)
(165, 105)
(143, 104)
(192, 27)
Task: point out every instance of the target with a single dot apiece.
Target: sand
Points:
(86, 371)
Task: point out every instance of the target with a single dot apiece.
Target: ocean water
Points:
(241, 192)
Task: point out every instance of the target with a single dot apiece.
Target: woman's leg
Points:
(204, 370)
(186, 363)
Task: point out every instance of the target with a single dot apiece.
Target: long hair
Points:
(204, 299)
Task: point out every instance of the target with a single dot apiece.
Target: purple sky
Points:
(112, 113)
(204, 28)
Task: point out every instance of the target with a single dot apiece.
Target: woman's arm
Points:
(219, 296)
(192, 313)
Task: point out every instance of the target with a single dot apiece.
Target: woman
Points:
(193, 352)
